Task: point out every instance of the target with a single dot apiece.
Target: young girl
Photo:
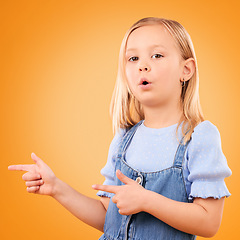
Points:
(165, 170)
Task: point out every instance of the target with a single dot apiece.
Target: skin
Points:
(203, 215)
(165, 69)
(40, 179)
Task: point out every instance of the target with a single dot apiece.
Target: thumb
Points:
(36, 159)
(123, 178)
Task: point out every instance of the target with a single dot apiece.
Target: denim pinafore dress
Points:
(168, 182)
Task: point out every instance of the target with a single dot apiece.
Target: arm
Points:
(41, 180)
(202, 217)
(88, 210)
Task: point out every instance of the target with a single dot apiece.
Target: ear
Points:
(189, 67)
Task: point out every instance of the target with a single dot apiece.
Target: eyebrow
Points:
(152, 46)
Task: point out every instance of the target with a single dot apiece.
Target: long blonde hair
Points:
(126, 110)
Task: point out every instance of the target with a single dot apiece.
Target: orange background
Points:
(58, 68)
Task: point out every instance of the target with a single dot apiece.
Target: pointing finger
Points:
(21, 167)
(106, 188)
(123, 178)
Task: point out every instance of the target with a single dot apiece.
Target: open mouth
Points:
(145, 83)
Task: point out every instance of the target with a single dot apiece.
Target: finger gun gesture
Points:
(39, 178)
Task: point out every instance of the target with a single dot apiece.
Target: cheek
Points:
(130, 74)
(131, 79)
(162, 76)
(168, 79)
(169, 74)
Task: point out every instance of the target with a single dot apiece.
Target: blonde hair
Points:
(126, 110)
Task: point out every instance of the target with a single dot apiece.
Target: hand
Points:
(129, 197)
(39, 178)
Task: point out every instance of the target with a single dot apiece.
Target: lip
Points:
(144, 80)
(144, 87)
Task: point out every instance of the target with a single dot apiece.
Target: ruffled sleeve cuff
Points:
(104, 194)
(206, 189)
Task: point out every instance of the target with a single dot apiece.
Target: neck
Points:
(164, 116)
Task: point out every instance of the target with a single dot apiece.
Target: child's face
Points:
(151, 53)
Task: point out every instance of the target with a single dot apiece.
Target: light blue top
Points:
(150, 150)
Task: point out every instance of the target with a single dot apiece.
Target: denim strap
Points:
(126, 139)
(179, 155)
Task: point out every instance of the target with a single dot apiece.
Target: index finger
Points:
(21, 167)
(106, 188)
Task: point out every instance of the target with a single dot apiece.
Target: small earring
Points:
(183, 84)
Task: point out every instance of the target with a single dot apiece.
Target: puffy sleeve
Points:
(108, 171)
(207, 164)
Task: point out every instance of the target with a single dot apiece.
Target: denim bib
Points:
(168, 182)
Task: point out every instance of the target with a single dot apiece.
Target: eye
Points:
(157, 55)
(131, 59)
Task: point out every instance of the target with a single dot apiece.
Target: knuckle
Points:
(38, 183)
(34, 183)
(29, 176)
(32, 189)
(122, 212)
(37, 176)
(28, 184)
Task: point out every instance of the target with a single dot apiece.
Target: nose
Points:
(145, 68)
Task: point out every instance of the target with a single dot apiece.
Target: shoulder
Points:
(117, 140)
(206, 127)
(118, 136)
(205, 151)
(206, 133)
(205, 145)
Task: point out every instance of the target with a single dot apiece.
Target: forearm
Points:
(88, 210)
(187, 217)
